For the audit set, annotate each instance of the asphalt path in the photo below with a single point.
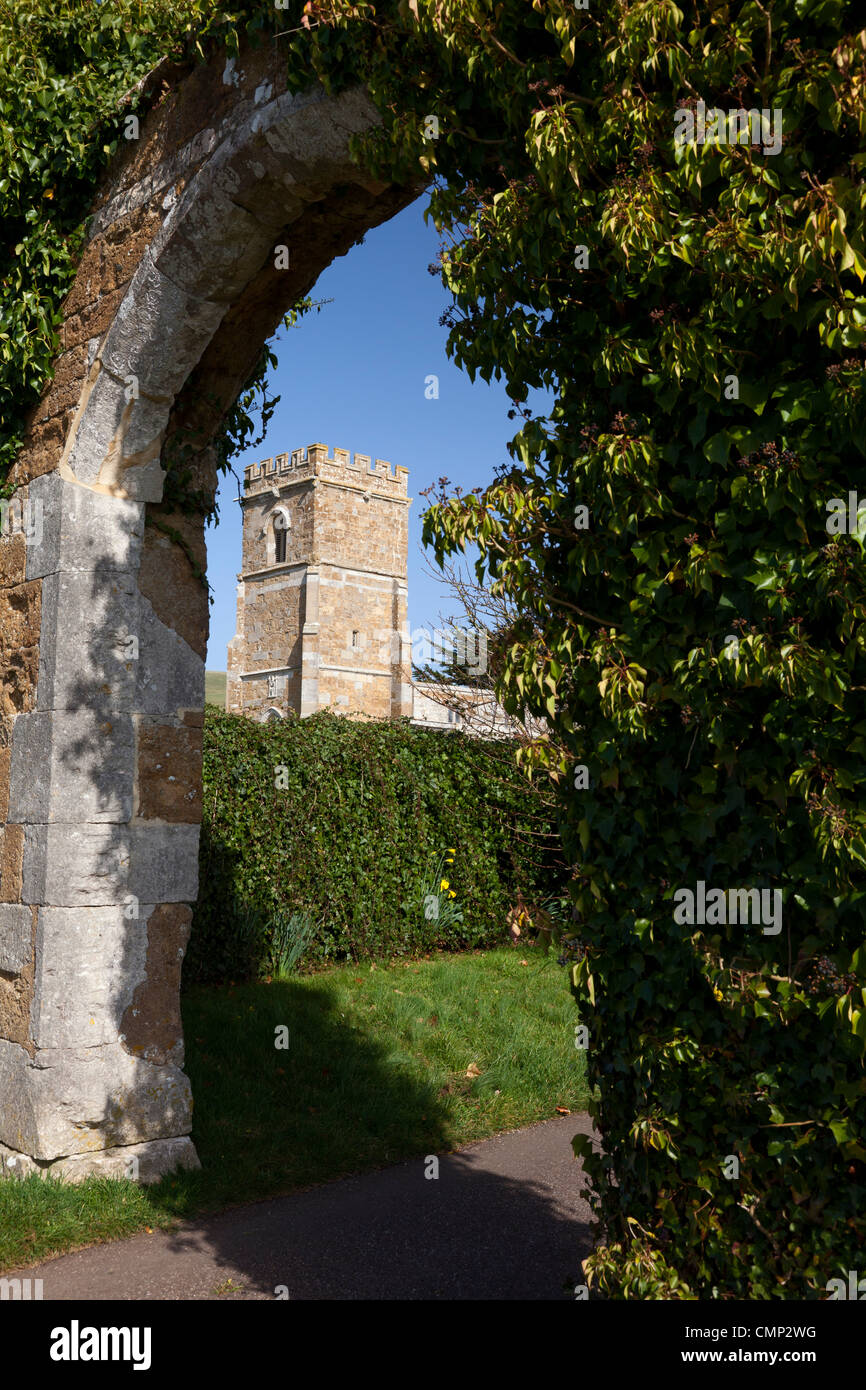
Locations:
(504, 1219)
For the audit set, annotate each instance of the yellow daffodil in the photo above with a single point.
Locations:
(452, 894)
(718, 994)
(444, 884)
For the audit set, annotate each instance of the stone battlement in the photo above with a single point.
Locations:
(313, 462)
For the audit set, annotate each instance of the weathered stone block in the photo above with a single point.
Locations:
(169, 772)
(77, 865)
(151, 1025)
(43, 447)
(118, 439)
(141, 1163)
(11, 863)
(13, 560)
(89, 962)
(82, 1100)
(83, 530)
(86, 765)
(64, 389)
(101, 865)
(5, 764)
(166, 578)
(86, 659)
(20, 616)
(16, 995)
(17, 1120)
(154, 311)
(93, 320)
(126, 245)
(88, 280)
(164, 862)
(210, 245)
(310, 133)
(18, 680)
(170, 674)
(16, 922)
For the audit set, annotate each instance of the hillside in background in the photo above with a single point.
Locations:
(215, 688)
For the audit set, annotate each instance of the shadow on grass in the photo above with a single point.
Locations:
(271, 1118)
(337, 1101)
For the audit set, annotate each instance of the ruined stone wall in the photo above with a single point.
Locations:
(103, 618)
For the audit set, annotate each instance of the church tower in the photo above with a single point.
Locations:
(322, 615)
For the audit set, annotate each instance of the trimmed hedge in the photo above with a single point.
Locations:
(363, 812)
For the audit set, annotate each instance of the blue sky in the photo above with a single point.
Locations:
(353, 376)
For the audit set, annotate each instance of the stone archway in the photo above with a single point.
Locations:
(103, 619)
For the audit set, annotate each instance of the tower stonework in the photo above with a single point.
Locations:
(322, 613)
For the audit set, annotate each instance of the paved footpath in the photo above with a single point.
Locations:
(502, 1221)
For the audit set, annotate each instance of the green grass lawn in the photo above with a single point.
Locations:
(375, 1071)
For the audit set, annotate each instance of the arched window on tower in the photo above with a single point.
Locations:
(281, 532)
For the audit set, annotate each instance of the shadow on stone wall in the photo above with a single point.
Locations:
(97, 1060)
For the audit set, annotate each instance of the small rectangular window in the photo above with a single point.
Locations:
(355, 638)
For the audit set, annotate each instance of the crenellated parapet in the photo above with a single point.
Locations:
(342, 469)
